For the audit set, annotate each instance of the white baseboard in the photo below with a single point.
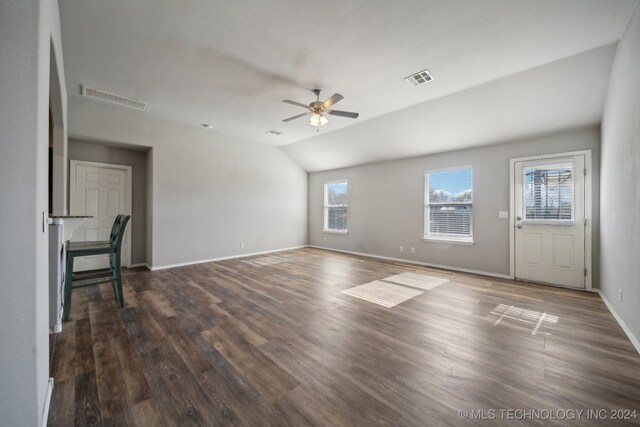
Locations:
(623, 325)
(47, 403)
(140, 264)
(184, 264)
(426, 264)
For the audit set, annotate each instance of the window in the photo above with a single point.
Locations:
(448, 203)
(548, 193)
(335, 207)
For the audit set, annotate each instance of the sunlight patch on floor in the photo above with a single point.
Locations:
(382, 293)
(415, 280)
(265, 260)
(537, 320)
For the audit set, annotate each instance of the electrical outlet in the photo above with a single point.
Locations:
(242, 244)
(619, 295)
(503, 214)
(401, 248)
(413, 250)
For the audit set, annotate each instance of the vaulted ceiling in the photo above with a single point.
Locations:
(502, 68)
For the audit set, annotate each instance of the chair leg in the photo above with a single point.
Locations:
(68, 281)
(112, 267)
(119, 279)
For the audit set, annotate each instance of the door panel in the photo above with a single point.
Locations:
(532, 248)
(563, 251)
(101, 192)
(550, 221)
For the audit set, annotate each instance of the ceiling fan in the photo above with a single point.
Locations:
(317, 110)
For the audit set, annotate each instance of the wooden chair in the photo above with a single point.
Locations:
(111, 247)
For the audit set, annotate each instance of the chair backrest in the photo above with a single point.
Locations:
(114, 229)
(120, 231)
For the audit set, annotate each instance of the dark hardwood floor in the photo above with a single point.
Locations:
(253, 344)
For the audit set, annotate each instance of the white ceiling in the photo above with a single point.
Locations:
(567, 93)
(230, 63)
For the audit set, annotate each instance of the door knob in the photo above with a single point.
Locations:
(518, 218)
(519, 225)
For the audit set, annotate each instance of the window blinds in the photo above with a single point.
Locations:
(548, 192)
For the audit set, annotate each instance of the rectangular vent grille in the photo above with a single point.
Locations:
(112, 98)
(273, 132)
(419, 78)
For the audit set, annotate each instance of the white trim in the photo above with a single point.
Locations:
(184, 264)
(329, 231)
(632, 338)
(452, 241)
(588, 210)
(47, 403)
(426, 264)
(72, 195)
(140, 264)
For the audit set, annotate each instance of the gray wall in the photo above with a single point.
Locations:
(210, 192)
(137, 159)
(620, 200)
(386, 203)
(27, 30)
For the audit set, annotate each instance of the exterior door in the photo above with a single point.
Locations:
(101, 191)
(550, 220)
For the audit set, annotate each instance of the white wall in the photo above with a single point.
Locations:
(27, 30)
(620, 199)
(386, 203)
(209, 191)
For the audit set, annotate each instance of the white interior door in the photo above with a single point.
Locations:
(101, 191)
(550, 220)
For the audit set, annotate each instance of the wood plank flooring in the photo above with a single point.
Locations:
(260, 343)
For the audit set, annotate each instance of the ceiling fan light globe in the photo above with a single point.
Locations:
(318, 120)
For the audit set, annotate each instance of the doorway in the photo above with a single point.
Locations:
(101, 191)
(551, 228)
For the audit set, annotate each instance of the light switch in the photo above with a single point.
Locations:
(503, 215)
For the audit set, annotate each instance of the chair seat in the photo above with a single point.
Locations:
(90, 246)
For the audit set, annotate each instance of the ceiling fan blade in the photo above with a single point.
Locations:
(296, 117)
(348, 114)
(299, 104)
(336, 97)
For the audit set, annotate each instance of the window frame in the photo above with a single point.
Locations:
(444, 238)
(326, 206)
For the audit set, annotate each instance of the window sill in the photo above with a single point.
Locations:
(451, 241)
(335, 231)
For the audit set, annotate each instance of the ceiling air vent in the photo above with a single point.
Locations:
(419, 78)
(273, 132)
(112, 98)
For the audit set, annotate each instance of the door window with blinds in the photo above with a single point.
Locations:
(335, 207)
(448, 205)
(548, 193)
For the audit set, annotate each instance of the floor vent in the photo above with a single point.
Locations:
(415, 280)
(112, 98)
(382, 293)
(419, 78)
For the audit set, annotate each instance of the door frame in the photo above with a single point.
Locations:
(588, 211)
(73, 164)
